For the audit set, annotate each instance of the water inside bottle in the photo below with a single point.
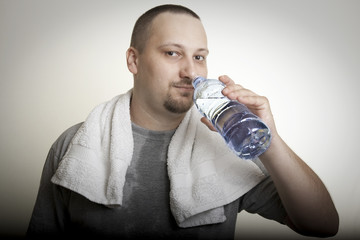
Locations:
(248, 137)
(243, 131)
(211, 105)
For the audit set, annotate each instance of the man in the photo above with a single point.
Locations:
(165, 182)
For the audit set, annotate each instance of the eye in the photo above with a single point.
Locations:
(172, 53)
(199, 58)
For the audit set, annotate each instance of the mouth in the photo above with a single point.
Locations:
(184, 87)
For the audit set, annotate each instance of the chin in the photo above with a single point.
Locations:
(178, 107)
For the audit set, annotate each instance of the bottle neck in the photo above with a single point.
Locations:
(197, 81)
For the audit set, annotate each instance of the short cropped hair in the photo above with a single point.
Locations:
(141, 29)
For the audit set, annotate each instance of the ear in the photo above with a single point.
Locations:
(132, 59)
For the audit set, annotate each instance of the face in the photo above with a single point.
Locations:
(174, 55)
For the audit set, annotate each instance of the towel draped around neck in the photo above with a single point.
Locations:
(204, 174)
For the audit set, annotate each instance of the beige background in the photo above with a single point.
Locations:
(59, 59)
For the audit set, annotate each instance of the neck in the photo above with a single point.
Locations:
(145, 118)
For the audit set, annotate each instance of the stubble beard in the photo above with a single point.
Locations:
(179, 106)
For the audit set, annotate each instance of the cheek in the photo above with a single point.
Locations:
(155, 80)
(152, 69)
(202, 70)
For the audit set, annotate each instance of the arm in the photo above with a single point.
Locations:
(308, 204)
(304, 196)
(49, 214)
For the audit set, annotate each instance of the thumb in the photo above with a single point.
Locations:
(205, 121)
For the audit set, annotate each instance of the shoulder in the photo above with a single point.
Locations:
(56, 152)
(61, 144)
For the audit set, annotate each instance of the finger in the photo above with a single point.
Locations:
(246, 96)
(254, 102)
(226, 80)
(205, 121)
(236, 91)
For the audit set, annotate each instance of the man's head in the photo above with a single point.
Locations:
(142, 26)
(168, 50)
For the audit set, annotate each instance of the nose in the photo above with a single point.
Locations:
(188, 69)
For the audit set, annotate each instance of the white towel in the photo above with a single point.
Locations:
(204, 174)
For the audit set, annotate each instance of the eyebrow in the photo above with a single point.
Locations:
(182, 47)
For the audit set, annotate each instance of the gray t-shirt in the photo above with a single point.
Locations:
(145, 213)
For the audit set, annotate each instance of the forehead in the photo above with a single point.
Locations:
(178, 28)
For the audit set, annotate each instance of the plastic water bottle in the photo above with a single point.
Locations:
(245, 133)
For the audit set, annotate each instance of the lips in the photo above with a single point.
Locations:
(188, 87)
